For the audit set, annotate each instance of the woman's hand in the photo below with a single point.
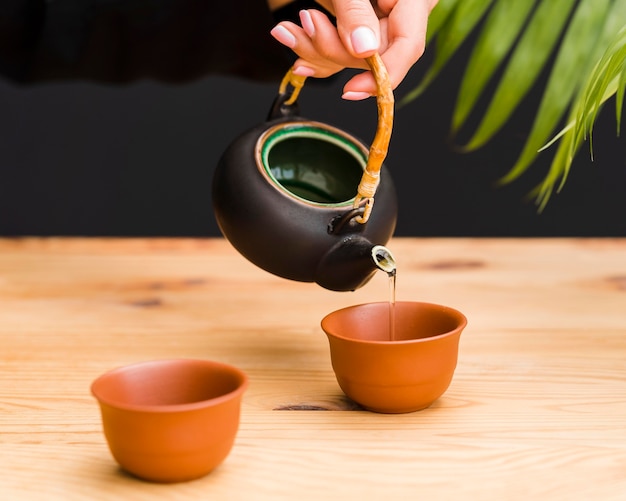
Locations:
(396, 29)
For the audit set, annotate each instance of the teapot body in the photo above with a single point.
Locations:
(283, 196)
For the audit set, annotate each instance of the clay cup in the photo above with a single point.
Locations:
(403, 372)
(170, 420)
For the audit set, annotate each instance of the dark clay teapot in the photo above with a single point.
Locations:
(295, 197)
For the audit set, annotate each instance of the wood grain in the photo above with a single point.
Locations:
(537, 408)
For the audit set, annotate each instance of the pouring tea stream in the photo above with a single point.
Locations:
(284, 193)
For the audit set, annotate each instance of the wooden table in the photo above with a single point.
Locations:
(537, 408)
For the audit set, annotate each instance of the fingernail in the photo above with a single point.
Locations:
(355, 96)
(307, 23)
(303, 71)
(283, 35)
(363, 40)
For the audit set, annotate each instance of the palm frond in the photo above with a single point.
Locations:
(606, 80)
(453, 23)
(439, 16)
(565, 78)
(522, 37)
(501, 29)
(533, 50)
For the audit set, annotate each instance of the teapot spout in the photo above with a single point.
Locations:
(383, 259)
(351, 263)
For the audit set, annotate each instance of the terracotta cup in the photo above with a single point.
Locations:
(403, 371)
(170, 420)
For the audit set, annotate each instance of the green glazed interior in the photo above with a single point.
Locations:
(314, 164)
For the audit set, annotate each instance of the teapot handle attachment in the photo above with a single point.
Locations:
(285, 103)
(380, 144)
(296, 82)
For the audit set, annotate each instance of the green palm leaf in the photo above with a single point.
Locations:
(439, 16)
(589, 67)
(607, 79)
(582, 34)
(453, 26)
(502, 27)
(619, 100)
(524, 67)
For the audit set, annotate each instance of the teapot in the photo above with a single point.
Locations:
(295, 197)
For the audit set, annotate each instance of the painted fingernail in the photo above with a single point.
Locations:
(303, 71)
(355, 96)
(307, 23)
(363, 40)
(283, 35)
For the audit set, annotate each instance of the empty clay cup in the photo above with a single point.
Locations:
(170, 420)
(403, 371)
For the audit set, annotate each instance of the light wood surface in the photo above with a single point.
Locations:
(537, 408)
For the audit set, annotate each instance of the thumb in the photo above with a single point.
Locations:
(358, 26)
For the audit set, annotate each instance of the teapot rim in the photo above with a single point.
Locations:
(312, 129)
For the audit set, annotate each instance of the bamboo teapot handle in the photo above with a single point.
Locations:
(380, 144)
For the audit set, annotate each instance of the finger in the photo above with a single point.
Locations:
(406, 34)
(360, 87)
(384, 7)
(325, 39)
(405, 31)
(358, 27)
(310, 63)
(283, 32)
(328, 5)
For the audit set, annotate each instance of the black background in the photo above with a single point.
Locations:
(137, 160)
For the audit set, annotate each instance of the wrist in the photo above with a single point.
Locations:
(277, 4)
